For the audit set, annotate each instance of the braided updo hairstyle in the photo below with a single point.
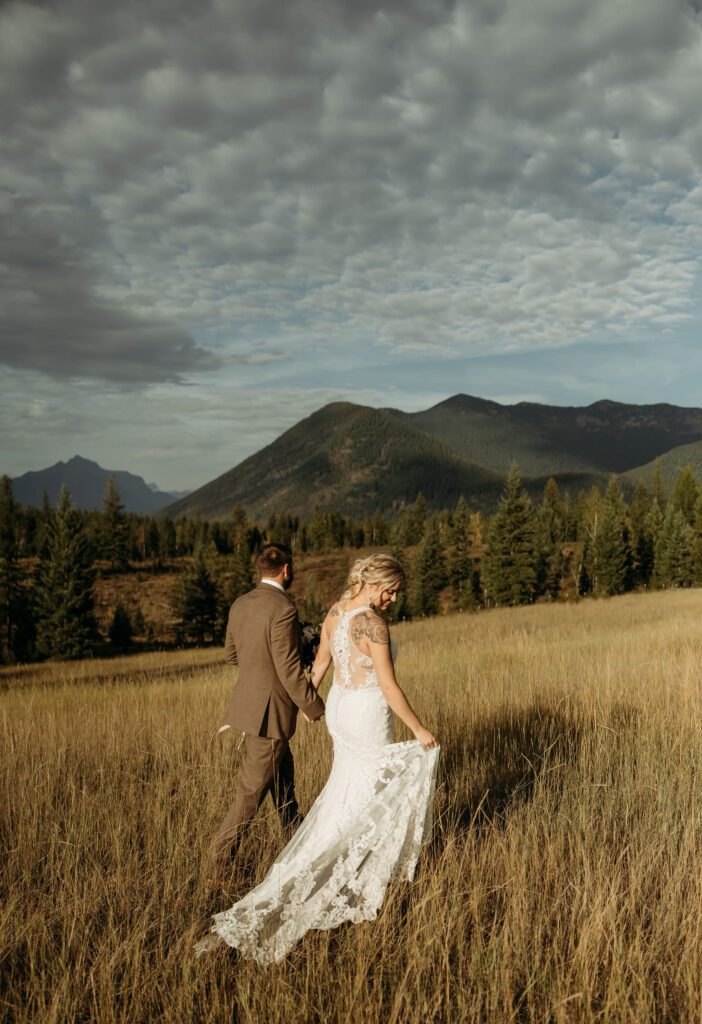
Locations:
(379, 570)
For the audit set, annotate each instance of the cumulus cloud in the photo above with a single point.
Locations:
(54, 318)
(191, 186)
(432, 174)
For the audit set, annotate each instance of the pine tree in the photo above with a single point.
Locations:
(640, 545)
(698, 542)
(114, 526)
(197, 531)
(674, 557)
(429, 574)
(399, 611)
(241, 578)
(510, 561)
(461, 566)
(569, 519)
(553, 511)
(197, 600)
(657, 487)
(375, 530)
(152, 540)
(400, 534)
(180, 541)
(379, 528)
(583, 583)
(335, 527)
(214, 563)
(653, 524)
(121, 629)
(590, 510)
(9, 571)
(44, 520)
(316, 531)
(550, 536)
(418, 518)
(16, 624)
(166, 538)
(684, 494)
(282, 531)
(611, 545)
(64, 588)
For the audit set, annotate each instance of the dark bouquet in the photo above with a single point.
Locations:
(309, 644)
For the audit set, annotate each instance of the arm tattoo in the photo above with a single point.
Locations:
(372, 626)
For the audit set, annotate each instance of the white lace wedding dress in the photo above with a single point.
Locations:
(366, 826)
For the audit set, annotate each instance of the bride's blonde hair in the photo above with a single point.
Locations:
(379, 570)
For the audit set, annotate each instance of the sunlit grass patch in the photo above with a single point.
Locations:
(562, 882)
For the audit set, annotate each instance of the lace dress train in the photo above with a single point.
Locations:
(365, 828)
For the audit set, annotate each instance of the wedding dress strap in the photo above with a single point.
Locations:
(363, 608)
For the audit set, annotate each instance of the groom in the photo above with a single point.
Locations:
(263, 640)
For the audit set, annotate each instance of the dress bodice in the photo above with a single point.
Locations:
(353, 670)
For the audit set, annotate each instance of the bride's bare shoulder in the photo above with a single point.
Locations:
(369, 625)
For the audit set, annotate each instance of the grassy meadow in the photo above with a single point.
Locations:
(563, 881)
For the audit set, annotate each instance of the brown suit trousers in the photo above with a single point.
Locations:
(263, 639)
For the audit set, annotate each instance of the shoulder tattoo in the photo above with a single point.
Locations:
(371, 626)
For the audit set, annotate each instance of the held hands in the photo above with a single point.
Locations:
(425, 738)
(311, 721)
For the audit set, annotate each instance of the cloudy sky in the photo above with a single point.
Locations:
(218, 215)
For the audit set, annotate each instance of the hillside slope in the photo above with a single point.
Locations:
(607, 437)
(354, 459)
(345, 457)
(671, 463)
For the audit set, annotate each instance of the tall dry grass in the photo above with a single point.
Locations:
(563, 882)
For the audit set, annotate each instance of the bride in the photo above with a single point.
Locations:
(369, 821)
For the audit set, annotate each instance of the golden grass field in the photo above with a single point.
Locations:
(563, 882)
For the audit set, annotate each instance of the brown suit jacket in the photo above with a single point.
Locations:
(263, 636)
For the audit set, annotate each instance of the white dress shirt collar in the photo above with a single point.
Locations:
(273, 583)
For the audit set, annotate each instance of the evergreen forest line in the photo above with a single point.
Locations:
(457, 559)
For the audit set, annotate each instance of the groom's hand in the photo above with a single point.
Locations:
(311, 721)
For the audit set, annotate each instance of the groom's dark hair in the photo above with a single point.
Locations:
(273, 558)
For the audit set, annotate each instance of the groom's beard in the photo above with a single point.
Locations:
(287, 583)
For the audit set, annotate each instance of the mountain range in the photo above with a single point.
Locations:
(608, 437)
(86, 481)
(355, 458)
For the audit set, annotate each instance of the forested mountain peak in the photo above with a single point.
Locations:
(344, 456)
(354, 458)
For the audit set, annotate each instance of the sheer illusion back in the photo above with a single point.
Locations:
(365, 827)
(353, 670)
